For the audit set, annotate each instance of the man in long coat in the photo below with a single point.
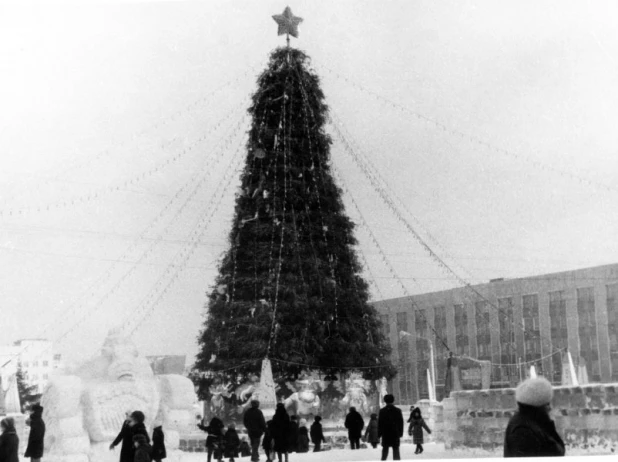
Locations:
(256, 427)
(354, 423)
(37, 434)
(390, 427)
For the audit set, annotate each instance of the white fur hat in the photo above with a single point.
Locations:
(535, 392)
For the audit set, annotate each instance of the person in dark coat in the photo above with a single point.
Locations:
(267, 442)
(293, 434)
(390, 427)
(9, 441)
(354, 423)
(214, 440)
(34, 450)
(415, 429)
(255, 424)
(531, 432)
(158, 443)
(244, 448)
(303, 437)
(281, 431)
(231, 443)
(142, 448)
(126, 437)
(371, 434)
(317, 435)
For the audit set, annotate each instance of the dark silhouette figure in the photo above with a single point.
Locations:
(390, 427)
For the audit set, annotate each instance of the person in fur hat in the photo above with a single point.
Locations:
(531, 432)
(415, 430)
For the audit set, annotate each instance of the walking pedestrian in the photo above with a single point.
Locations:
(354, 423)
(125, 436)
(255, 424)
(34, 450)
(281, 432)
(158, 442)
(303, 437)
(531, 432)
(231, 442)
(371, 434)
(267, 442)
(9, 441)
(317, 435)
(293, 434)
(214, 440)
(143, 450)
(244, 448)
(390, 427)
(415, 430)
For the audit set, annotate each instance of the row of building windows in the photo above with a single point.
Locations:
(35, 364)
(530, 323)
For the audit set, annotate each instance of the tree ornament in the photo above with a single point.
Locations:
(265, 194)
(222, 289)
(259, 153)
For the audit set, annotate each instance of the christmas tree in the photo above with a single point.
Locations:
(290, 286)
(28, 394)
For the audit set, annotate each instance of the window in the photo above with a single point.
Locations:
(386, 327)
(35, 364)
(508, 355)
(589, 351)
(558, 331)
(441, 350)
(34, 377)
(45, 376)
(422, 352)
(612, 326)
(461, 330)
(57, 357)
(532, 337)
(405, 365)
(45, 363)
(26, 364)
(483, 336)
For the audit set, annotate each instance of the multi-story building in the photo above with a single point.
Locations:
(36, 358)
(512, 323)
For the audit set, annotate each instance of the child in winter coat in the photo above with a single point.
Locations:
(231, 442)
(415, 430)
(317, 436)
(9, 441)
(267, 442)
(215, 438)
(244, 448)
(158, 443)
(371, 434)
(303, 437)
(142, 448)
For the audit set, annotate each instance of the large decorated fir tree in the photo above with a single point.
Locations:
(290, 286)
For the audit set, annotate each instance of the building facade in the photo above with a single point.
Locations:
(512, 323)
(37, 360)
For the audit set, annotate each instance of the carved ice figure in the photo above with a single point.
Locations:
(219, 391)
(305, 399)
(84, 411)
(356, 393)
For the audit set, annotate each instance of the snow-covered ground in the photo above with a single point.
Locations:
(432, 451)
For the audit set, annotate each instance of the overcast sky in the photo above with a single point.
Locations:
(97, 97)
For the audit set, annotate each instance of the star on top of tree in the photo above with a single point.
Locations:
(288, 23)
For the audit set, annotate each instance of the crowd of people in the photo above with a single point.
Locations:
(285, 434)
(530, 433)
